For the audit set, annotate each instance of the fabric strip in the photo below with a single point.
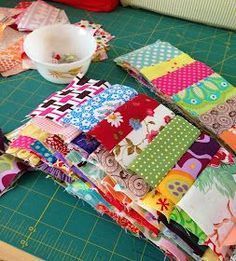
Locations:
(161, 69)
(90, 113)
(139, 138)
(170, 145)
(122, 121)
(205, 95)
(178, 80)
(178, 181)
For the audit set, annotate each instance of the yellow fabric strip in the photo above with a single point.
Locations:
(160, 69)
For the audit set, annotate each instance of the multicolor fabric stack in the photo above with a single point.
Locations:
(193, 86)
(132, 158)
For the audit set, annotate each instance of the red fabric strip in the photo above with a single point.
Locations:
(110, 131)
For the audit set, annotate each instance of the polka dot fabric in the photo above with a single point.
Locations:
(150, 55)
(23, 142)
(40, 149)
(176, 81)
(165, 150)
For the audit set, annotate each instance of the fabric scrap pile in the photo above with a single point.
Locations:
(191, 85)
(11, 169)
(16, 22)
(133, 159)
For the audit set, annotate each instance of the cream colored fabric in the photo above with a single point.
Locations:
(220, 13)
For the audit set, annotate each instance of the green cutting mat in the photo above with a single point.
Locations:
(38, 215)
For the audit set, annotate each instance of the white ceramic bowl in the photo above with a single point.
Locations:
(63, 39)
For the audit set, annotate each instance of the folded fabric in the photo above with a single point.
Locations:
(120, 220)
(178, 181)
(215, 184)
(220, 118)
(149, 55)
(87, 144)
(229, 137)
(43, 152)
(24, 155)
(91, 112)
(170, 144)
(10, 170)
(155, 201)
(180, 243)
(68, 132)
(31, 130)
(138, 139)
(60, 103)
(186, 236)
(123, 120)
(11, 56)
(204, 95)
(58, 174)
(180, 217)
(38, 14)
(127, 181)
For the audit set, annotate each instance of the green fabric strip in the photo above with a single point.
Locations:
(205, 95)
(165, 150)
(183, 219)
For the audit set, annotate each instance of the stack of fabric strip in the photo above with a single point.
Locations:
(133, 159)
(193, 86)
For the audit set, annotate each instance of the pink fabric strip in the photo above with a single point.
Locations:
(68, 133)
(176, 81)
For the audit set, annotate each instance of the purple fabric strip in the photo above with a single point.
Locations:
(197, 157)
(87, 144)
(58, 174)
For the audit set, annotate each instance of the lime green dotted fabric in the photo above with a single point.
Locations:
(165, 150)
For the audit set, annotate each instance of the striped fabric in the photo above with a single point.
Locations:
(213, 12)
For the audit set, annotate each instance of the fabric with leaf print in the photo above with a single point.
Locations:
(91, 112)
(138, 139)
(211, 202)
(128, 182)
(123, 120)
(180, 217)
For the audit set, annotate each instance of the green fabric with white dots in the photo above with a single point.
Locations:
(165, 150)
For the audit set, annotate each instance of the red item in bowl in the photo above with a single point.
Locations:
(92, 5)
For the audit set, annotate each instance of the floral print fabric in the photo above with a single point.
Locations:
(90, 113)
(122, 121)
(215, 184)
(139, 138)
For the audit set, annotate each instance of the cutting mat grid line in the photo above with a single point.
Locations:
(42, 218)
